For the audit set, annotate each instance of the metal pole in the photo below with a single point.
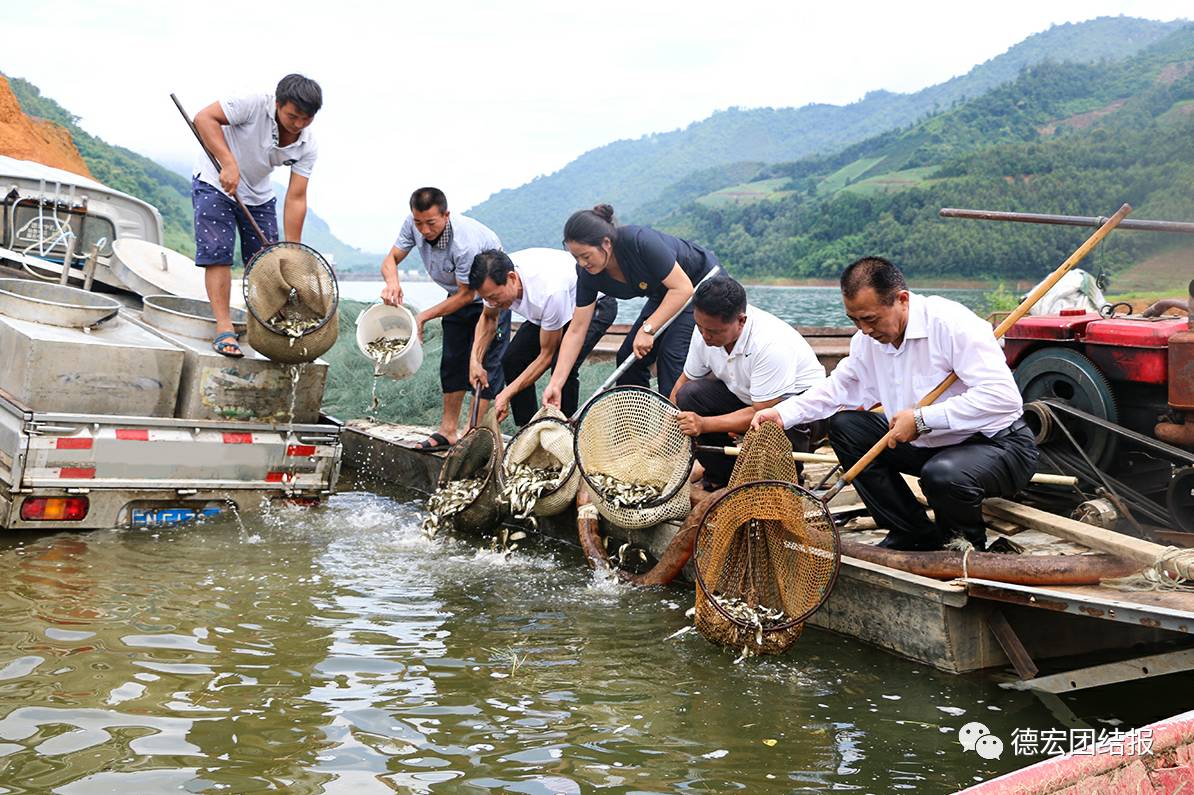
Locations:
(1138, 224)
(71, 241)
(265, 241)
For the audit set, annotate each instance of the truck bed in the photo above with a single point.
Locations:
(146, 471)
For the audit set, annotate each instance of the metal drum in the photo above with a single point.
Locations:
(186, 316)
(54, 304)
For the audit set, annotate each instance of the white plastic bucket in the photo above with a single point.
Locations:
(391, 322)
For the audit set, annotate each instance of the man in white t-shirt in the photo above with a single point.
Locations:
(542, 289)
(740, 360)
(250, 137)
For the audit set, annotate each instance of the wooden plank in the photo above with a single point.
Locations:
(947, 593)
(1109, 673)
(1136, 549)
(1009, 641)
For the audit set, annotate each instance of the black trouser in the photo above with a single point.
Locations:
(459, 329)
(955, 479)
(524, 349)
(667, 354)
(709, 397)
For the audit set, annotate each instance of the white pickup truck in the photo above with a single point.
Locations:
(127, 417)
(101, 471)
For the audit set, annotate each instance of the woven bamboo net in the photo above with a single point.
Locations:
(630, 435)
(546, 443)
(292, 298)
(475, 456)
(767, 548)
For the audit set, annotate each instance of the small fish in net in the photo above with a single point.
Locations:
(383, 349)
(293, 324)
(449, 500)
(624, 493)
(523, 486)
(760, 617)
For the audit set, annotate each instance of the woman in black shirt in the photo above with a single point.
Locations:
(627, 262)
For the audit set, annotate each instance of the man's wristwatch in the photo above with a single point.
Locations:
(648, 329)
(921, 426)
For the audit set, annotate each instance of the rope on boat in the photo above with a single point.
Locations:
(1172, 571)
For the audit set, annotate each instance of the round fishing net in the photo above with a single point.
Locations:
(767, 552)
(544, 444)
(474, 458)
(292, 297)
(633, 457)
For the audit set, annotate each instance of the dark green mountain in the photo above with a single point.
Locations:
(163, 187)
(633, 173)
(1062, 138)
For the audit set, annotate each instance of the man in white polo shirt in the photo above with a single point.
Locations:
(542, 289)
(250, 137)
(447, 244)
(740, 360)
(971, 444)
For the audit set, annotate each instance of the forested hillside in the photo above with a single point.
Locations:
(633, 173)
(121, 168)
(1062, 138)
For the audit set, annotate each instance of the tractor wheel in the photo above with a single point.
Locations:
(1065, 375)
(1180, 499)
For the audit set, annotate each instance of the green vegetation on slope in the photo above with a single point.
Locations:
(632, 174)
(121, 168)
(1034, 145)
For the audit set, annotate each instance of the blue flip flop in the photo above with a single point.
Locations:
(227, 344)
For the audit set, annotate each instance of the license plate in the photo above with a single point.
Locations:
(167, 517)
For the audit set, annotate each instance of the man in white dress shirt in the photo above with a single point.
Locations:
(740, 360)
(971, 444)
(543, 292)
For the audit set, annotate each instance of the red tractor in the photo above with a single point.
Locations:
(1111, 399)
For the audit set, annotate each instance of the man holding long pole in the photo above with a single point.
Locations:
(970, 445)
(248, 137)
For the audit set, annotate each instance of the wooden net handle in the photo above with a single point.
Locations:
(1000, 330)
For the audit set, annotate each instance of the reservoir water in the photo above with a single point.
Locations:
(805, 306)
(337, 650)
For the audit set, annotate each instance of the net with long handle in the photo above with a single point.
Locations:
(471, 474)
(292, 297)
(633, 457)
(767, 552)
(543, 444)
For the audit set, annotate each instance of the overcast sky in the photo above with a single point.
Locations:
(478, 96)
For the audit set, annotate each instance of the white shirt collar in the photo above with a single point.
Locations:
(743, 342)
(273, 128)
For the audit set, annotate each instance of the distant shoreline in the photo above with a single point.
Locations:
(949, 284)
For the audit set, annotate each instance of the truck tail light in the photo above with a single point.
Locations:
(54, 509)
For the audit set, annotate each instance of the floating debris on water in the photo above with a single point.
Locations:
(623, 493)
(449, 500)
(383, 349)
(524, 485)
(682, 631)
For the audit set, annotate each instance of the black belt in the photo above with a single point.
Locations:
(1015, 427)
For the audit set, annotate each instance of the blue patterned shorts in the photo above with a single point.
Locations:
(217, 219)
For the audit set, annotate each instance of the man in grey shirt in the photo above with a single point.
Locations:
(250, 137)
(448, 243)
